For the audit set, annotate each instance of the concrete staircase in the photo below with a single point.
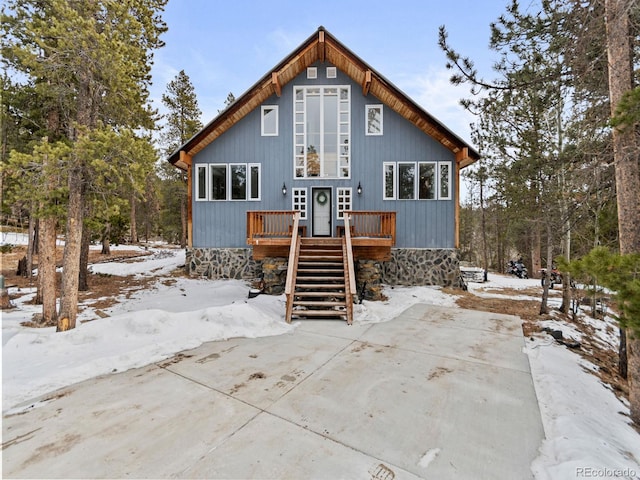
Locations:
(321, 281)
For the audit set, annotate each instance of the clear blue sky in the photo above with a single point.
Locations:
(227, 45)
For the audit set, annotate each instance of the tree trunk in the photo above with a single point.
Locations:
(485, 246)
(536, 261)
(625, 154)
(106, 246)
(134, 227)
(47, 270)
(71, 260)
(31, 247)
(83, 279)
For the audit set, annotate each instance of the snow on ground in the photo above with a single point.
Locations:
(587, 427)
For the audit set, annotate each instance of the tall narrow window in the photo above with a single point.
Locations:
(238, 181)
(374, 119)
(445, 180)
(218, 174)
(427, 181)
(344, 200)
(321, 132)
(406, 181)
(389, 181)
(201, 182)
(299, 197)
(269, 124)
(254, 181)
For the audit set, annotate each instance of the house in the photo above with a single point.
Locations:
(325, 135)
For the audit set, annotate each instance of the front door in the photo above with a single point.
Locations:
(321, 208)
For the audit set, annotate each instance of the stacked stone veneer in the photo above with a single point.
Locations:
(408, 266)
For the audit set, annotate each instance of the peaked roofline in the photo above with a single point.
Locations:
(324, 47)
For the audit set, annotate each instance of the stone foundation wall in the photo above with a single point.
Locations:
(422, 266)
(214, 263)
(408, 266)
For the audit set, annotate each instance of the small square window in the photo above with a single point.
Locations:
(344, 201)
(299, 197)
(312, 73)
(332, 72)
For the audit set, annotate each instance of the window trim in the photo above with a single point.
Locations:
(298, 193)
(393, 180)
(200, 198)
(439, 166)
(263, 131)
(332, 72)
(226, 182)
(312, 73)
(343, 134)
(413, 164)
(366, 120)
(250, 166)
(439, 175)
(435, 164)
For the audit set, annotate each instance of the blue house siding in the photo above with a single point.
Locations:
(419, 223)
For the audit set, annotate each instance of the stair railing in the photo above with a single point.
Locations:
(292, 266)
(350, 280)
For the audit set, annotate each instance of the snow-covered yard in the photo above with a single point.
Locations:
(587, 427)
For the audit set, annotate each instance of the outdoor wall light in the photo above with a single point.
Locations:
(284, 189)
(359, 189)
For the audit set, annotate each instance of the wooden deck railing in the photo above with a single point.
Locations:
(373, 224)
(269, 224)
(292, 266)
(350, 280)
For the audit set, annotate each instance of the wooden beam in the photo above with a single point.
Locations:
(188, 160)
(456, 204)
(321, 46)
(366, 85)
(462, 155)
(276, 83)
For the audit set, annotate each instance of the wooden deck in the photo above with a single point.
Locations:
(373, 234)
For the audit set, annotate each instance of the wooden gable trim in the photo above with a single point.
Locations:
(276, 84)
(367, 83)
(187, 160)
(324, 47)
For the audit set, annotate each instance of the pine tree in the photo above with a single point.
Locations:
(182, 122)
(89, 61)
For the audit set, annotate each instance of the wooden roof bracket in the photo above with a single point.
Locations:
(321, 46)
(366, 85)
(276, 83)
(462, 155)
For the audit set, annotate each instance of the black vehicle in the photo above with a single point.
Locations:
(517, 268)
(554, 277)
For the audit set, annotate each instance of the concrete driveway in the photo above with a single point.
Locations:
(436, 393)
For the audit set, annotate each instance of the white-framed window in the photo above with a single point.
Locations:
(233, 181)
(201, 183)
(322, 131)
(444, 180)
(299, 199)
(255, 189)
(417, 181)
(427, 181)
(373, 117)
(269, 120)
(332, 72)
(406, 181)
(344, 200)
(389, 179)
(218, 181)
(312, 73)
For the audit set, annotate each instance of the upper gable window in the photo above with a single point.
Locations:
(269, 121)
(332, 72)
(312, 73)
(322, 131)
(374, 119)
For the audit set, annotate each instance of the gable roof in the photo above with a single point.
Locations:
(324, 47)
